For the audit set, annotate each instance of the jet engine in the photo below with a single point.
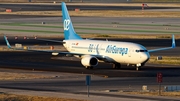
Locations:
(89, 61)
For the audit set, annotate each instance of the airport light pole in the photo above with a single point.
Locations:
(88, 81)
(159, 80)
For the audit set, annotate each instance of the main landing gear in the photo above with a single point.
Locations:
(138, 68)
(116, 65)
(89, 67)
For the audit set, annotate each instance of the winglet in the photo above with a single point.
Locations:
(173, 42)
(7, 42)
(159, 49)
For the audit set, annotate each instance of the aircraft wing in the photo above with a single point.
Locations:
(28, 49)
(166, 48)
(55, 52)
(50, 40)
(33, 50)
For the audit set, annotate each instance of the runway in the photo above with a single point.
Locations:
(63, 87)
(55, 7)
(69, 85)
(45, 62)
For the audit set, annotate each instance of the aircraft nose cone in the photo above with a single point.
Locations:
(145, 57)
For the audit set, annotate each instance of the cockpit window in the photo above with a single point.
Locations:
(141, 50)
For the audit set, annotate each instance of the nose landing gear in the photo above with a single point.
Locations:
(89, 67)
(138, 67)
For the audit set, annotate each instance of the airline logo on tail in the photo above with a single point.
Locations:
(66, 24)
(69, 32)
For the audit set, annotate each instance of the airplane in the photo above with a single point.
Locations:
(91, 52)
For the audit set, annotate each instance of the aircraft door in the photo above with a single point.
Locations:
(68, 46)
(130, 52)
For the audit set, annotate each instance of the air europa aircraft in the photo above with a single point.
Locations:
(92, 52)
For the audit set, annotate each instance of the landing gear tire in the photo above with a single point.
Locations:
(89, 67)
(116, 65)
(138, 68)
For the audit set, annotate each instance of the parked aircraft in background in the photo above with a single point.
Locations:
(92, 52)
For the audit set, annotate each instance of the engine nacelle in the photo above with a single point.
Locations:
(89, 61)
(55, 54)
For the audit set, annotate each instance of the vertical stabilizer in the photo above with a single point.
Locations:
(7, 42)
(173, 42)
(69, 32)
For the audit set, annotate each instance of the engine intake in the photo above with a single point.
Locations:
(89, 61)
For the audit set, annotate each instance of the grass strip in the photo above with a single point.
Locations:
(103, 13)
(166, 60)
(13, 97)
(37, 31)
(30, 25)
(104, 29)
(155, 93)
(160, 25)
(113, 23)
(155, 1)
(107, 29)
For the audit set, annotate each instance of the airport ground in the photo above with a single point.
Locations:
(91, 1)
(44, 75)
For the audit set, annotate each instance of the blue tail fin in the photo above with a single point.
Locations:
(7, 42)
(69, 32)
(173, 42)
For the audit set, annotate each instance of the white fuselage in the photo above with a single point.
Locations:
(112, 51)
